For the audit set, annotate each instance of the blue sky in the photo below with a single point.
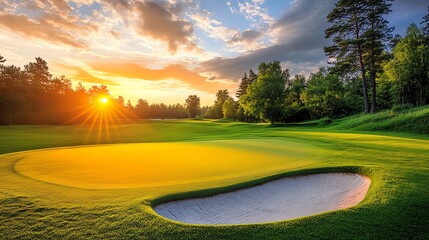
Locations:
(164, 50)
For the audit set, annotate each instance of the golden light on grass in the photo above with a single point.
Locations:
(162, 164)
(101, 115)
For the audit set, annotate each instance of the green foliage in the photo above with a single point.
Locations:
(349, 22)
(193, 106)
(216, 111)
(295, 89)
(265, 97)
(376, 38)
(324, 95)
(409, 69)
(360, 33)
(230, 108)
(385, 93)
(242, 88)
(425, 26)
(400, 108)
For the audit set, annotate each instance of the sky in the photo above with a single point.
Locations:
(165, 50)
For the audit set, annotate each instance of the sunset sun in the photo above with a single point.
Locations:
(104, 100)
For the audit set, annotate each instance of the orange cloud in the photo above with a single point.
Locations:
(79, 74)
(174, 71)
(22, 25)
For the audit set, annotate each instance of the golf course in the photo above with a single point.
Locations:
(60, 182)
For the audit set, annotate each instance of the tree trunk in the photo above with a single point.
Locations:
(373, 77)
(374, 88)
(10, 118)
(364, 87)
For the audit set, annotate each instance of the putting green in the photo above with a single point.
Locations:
(161, 164)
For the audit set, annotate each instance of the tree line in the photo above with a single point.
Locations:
(369, 70)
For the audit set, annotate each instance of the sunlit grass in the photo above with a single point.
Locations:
(395, 206)
(160, 164)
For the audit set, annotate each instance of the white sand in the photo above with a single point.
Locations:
(278, 200)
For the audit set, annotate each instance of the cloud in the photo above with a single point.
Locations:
(115, 34)
(79, 74)
(212, 27)
(52, 21)
(61, 5)
(300, 40)
(173, 71)
(158, 22)
(247, 36)
(254, 11)
(22, 25)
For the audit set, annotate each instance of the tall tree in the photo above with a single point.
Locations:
(265, 97)
(348, 25)
(142, 108)
(13, 92)
(376, 39)
(193, 106)
(229, 108)
(38, 73)
(425, 27)
(252, 76)
(243, 86)
(221, 96)
(129, 106)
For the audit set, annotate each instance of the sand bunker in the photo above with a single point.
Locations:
(283, 199)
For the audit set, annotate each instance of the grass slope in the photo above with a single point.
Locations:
(413, 120)
(395, 207)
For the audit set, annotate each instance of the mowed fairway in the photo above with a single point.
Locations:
(67, 188)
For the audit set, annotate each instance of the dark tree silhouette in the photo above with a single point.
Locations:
(252, 77)
(425, 27)
(38, 74)
(243, 86)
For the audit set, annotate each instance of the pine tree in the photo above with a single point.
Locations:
(348, 24)
(376, 39)
(243, 86)
(38, 73)
(252, 77)
(425, 27)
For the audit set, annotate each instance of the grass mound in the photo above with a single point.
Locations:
(412, 120)
(415, 120)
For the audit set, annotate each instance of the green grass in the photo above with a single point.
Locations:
(413, 120)
(395, 207)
